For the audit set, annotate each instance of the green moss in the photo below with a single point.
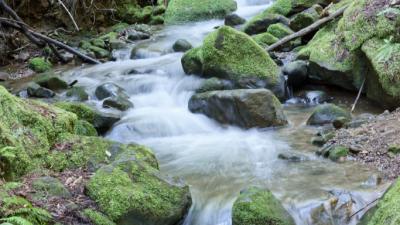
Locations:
(39, 64)
(97, 218)
(327, 113)
(99, 52)
(46, 187)
(83, 127)
(181, 11)
(231, 54)
(279, 30)
(50, 81)
(259, 207)
(132, 13)
(265, 39)
(130, 189)
(387, 210)
(338, 152)
(384, 78)
(83, 111)
(155, 20)
(302, 20)
(360, 22)
(14, 206)
(79, 93)
(98, 42)
(192, 61)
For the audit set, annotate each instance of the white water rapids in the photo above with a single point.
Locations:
(216, 161)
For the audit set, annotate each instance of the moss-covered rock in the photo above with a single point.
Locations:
(260, 23)
(383, 78)
(51, 81)
(39, 64)
(230, 54)
(386, 211)
(47, 187)
(77, 93)
(265, 39)
(98, 52)
(279, 30)
(97, 218)
(214, 84)
(327, 113)
(130, 191)
(256, 206)
(338, 152)
(247, 107)
(180, 11)
(303, 19)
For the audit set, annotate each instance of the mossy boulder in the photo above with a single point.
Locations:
(265, 39)
(101, 121)
(35, 90)
(130, 191)
(47, 187)
(39, 64)
(51, 81)
(214, 84)
(97, 51)
(327, 113)
(338, 152)
(247, 107)
(260, 24)
(280, 7)
(231, 54)
(303, 19)
(386, 211)
(383, 78)
(181, 11)
(279, 30)
(29, 129)
(256, 206)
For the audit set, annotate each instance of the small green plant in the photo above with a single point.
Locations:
(385, 51)
(19, 211)
(14, 220)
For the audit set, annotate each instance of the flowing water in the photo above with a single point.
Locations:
(218, 161)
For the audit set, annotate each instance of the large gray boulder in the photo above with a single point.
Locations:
(243, 107)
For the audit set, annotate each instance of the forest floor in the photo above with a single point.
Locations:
(375, 143)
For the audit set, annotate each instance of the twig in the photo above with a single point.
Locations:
(358, 96)
(364, 207)
(69, 14)
(308, 29)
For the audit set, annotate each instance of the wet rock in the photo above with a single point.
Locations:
(117, 102)
(215, 84)
(340, 122)
(110, 90)
(258, 206)
(182, 45)
(177, 11)
(318, 141)
(35, 90)
(316, 97)
(291, 157)
(296, 73)
(51, 82)
(47, 187)
(78, 93)
(221, 56)
(4, 76)
(243, 107)
(68, 57)
(327, 113)
(117, 44)
(135, 35)
(234, 20)
(260, 24)
(336, 153)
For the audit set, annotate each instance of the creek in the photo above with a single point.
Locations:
(218, 161)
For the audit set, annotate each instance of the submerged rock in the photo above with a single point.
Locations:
(78, 93)
(233, 20)
(35, 90)
(119, 103)
(230, 54)
(244, 107)
(327, 113)
(182, 45)
(181, 11)
(109, 89)
(257, 206)
(296, 73)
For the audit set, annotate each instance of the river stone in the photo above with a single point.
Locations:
(261, 24)
(256, 206)
(231, 54)
(109, 90)
(182, 11)
(130, 191)
(242, 107)
(51, 82)
(182, 45)
(119, 103)
(215, 84)
(233, 20)
(296, 73)
(35, 90)
(135, 35)
(327, 113)
(315, 97)
(304, 19)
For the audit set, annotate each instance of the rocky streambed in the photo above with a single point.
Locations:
(195, 123)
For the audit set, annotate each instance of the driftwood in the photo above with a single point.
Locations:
(38, 38)
(358, 96)
(69, 14)
(308, 29)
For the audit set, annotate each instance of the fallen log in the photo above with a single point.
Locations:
(317, 24)
(50, 41)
